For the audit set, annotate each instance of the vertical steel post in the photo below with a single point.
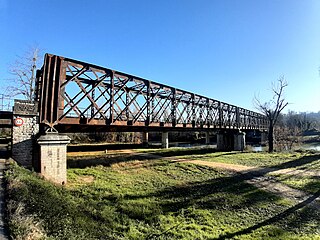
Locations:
(237, 117)
(193, 111)
(62, 89)
(111, 99)
(208, 119)
(149, 110)
(127, 105)
(220, 114)
(152, 109)
(173, 107)
(93, 97)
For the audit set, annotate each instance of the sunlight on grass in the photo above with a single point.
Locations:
(308, 184)
(254, 159)
(154, 199)
(248, 159)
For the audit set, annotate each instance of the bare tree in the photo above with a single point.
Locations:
(23, 72)
(286, 138)
(273, 108)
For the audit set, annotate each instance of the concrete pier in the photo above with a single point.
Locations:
(233, 140)
(165, 140)
(224, 141)
(239, 141)
(207, 138)
(145, 139)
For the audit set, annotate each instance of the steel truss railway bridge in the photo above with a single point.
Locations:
(78, 96)
(75, 96)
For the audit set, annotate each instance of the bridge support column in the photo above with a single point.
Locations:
(224, 141)
(231, 141)
(53, 157)
(165, 140)
(239, 141)
(207, 138)
(145, 139)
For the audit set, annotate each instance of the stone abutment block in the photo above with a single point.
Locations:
(24, 132)
(53, 157)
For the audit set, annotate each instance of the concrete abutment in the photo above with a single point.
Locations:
(47, 153)
(24, 133)
(53, 156)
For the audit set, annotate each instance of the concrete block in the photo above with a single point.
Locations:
(53, 157)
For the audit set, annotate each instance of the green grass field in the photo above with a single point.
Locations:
(159, 199)
(255, 159)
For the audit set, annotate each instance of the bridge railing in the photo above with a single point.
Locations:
(74, 92)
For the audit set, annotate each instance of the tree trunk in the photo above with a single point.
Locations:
(270, 138)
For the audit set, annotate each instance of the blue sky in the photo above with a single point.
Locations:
(228, 50)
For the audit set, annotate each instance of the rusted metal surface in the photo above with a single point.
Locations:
(77, 95)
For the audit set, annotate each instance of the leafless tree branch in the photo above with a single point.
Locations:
(273, 108)
(23, 70)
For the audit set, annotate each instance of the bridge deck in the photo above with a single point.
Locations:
(78, 96)
(73, 125)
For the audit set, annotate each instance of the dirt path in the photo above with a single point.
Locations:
(226, 166)
(262, 178)
(242, 168)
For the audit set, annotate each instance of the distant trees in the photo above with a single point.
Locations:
(304, 121)
(291, 128)
(23, 72)
(106, 137)
(273, 108)
(287, 135)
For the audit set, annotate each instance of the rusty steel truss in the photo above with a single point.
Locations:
(78, 96)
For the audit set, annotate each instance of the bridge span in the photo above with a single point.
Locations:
(74, 96)
(78, 96)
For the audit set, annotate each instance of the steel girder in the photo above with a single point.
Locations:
(71, 92)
